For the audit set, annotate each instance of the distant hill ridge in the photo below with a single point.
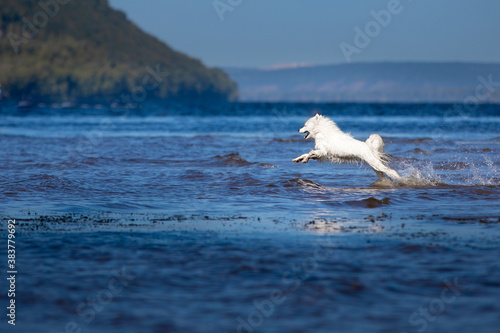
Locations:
(372, 82)
(77, 50)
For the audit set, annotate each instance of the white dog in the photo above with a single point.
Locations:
(338, 147)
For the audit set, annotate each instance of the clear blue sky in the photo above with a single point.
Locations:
(263, 33)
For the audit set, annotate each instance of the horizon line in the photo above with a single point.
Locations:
(298, 65)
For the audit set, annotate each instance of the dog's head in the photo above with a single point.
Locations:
(311, 126)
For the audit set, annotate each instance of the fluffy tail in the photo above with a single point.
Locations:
(376, 144)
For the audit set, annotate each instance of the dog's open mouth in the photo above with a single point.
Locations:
(307, 135)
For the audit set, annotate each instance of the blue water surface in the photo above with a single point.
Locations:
(192, 218)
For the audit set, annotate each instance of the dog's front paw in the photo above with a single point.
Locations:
(302, 158)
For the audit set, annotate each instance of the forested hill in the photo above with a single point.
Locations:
(78, 50)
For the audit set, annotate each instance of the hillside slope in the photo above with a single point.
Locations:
(74, 50)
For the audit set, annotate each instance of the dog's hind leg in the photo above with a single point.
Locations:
(381, 169)
(393, 174)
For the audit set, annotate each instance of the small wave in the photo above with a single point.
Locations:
(288, 140)
(193, 175)
(477, 150)
(150, 161)
(406, 140)
(370, 202)
(419, 140)
(473, 219)
(443, 150)
(205, 137)
(97, 160)
(44, 182)
(421, 152)
(268, 165)
(404, 160)
(235, 160)
(303, 183)
(452, 166)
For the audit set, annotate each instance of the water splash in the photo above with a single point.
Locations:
(482, 172)
(422, 174)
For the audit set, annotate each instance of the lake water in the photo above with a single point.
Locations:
(190, 218)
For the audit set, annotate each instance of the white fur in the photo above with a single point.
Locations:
(338, 147)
